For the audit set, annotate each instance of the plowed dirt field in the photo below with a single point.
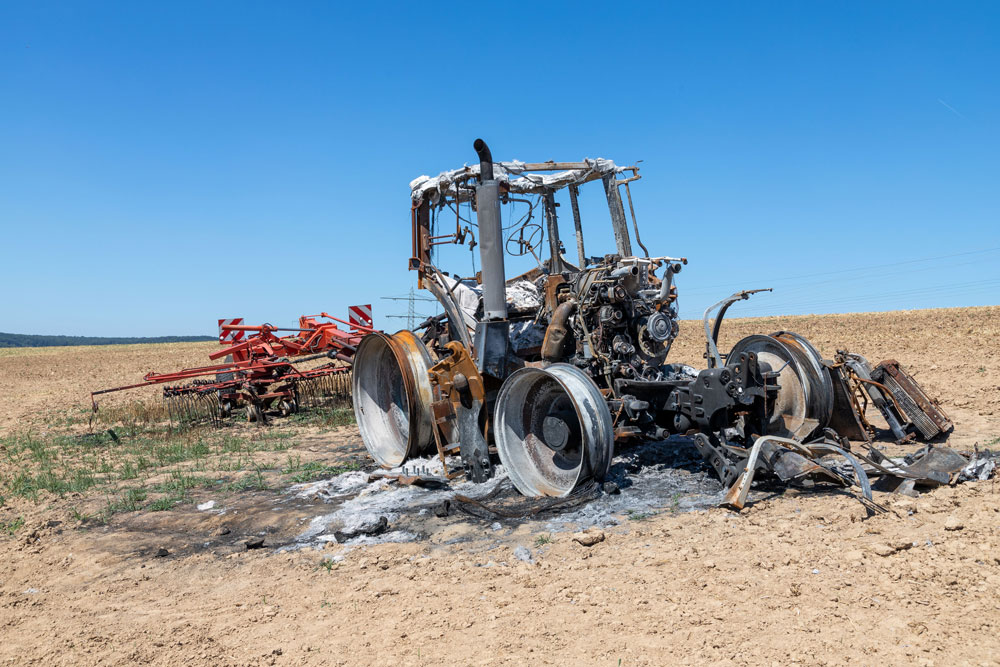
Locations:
(109, 559)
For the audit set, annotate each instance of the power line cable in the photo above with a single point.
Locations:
(860, 270)
(780, 306)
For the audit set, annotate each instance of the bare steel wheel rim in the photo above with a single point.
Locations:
(391, 394)
(553, 430)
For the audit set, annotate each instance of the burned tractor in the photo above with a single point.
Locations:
(548, 370)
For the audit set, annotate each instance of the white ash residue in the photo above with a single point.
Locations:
(361, 503)
(654, 477)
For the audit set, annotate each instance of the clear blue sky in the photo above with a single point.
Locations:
(165, 164)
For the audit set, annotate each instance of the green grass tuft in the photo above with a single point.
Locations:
(130, 501)
(314, 470)
(163, 504)
(338, 414)
(11, 527)
(122, 459)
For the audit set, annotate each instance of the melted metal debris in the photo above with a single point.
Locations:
(512, 173)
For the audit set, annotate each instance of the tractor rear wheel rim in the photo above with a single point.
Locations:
(553, 430)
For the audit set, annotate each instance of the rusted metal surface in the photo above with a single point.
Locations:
(791, 412)
(819, 382)
(557, 331)
(905, 406)
(555, 287)
(622, 241)
(457, 380)
(922, 411)
(611, 318)
(574, 193)
(456, 375)
(392, 397)
(847, 418)
(592, 347)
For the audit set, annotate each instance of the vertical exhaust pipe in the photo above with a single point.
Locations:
(490, 237)
(485, 160)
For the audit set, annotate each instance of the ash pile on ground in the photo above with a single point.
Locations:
(653, 477)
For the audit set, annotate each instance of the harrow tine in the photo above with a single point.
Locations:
(216, 410)
(204, 408)
(211, 401)
(309, 392)
(302, 392)
(197, 408)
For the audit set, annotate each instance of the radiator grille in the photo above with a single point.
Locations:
(913, 412)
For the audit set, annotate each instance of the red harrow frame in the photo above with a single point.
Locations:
(259, 372)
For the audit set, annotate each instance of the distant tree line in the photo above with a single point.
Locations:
(29, 340)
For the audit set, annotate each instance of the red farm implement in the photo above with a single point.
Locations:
(261, 371)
